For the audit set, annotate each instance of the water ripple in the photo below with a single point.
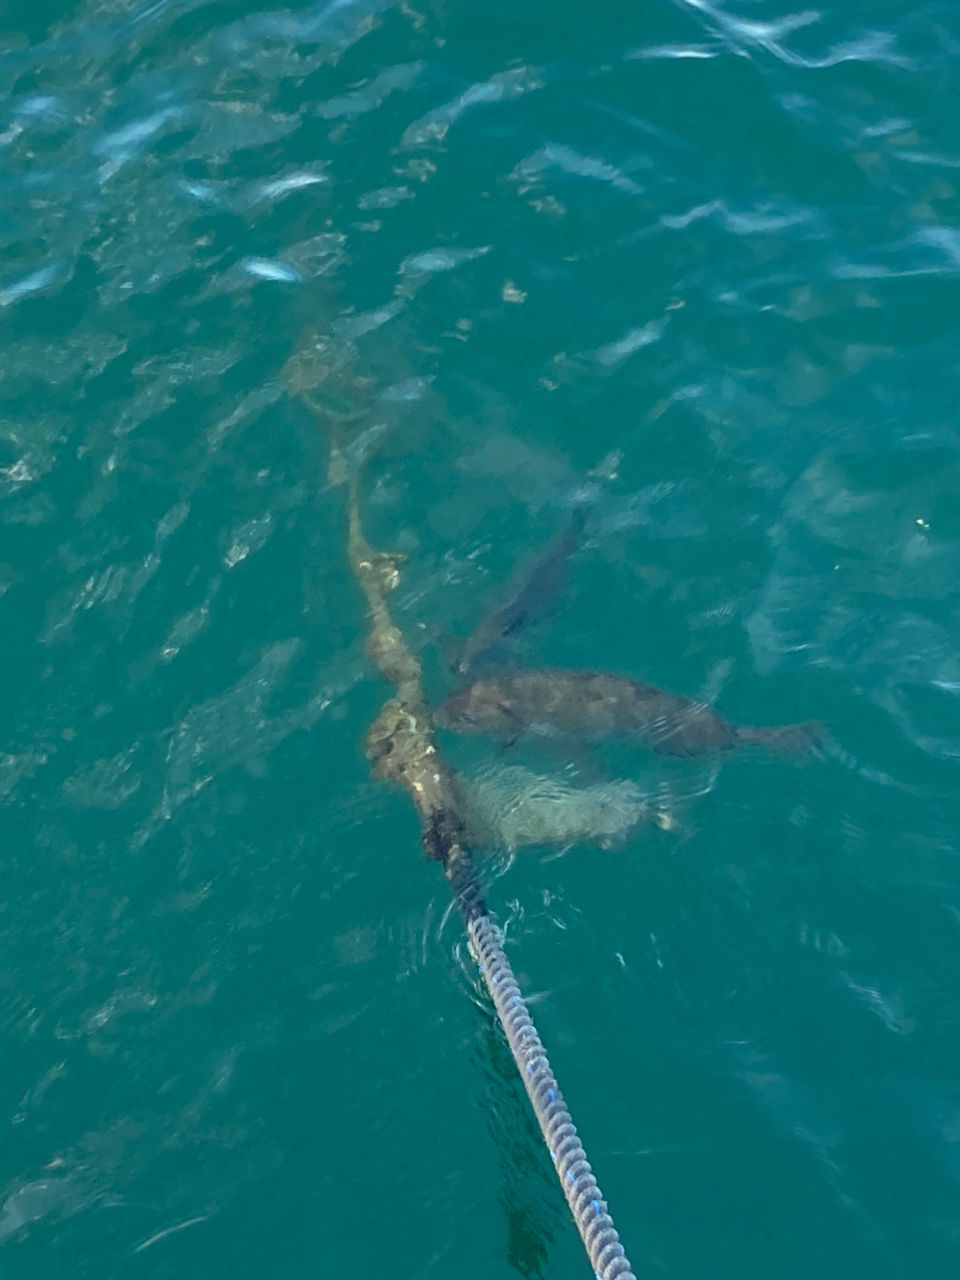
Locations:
(501, 87)
(694, 265)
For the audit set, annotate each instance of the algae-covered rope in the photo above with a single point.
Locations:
(401, 744)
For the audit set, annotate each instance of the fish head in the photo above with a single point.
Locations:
(479, 708)
(454, 711)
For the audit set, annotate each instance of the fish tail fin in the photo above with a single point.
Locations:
(804, 739)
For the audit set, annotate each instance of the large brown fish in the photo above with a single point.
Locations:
(589, 704)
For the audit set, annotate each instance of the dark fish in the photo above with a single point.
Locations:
(529, 599)
(588, 704)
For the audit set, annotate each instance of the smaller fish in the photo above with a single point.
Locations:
(592, 705)
(511, 807)
(529, 599)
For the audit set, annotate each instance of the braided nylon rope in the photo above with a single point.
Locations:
(599, 1236)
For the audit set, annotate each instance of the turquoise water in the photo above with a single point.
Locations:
(714, 248)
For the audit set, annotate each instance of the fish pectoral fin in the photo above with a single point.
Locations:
(507, 739)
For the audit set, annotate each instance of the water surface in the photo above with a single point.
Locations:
(715, 248)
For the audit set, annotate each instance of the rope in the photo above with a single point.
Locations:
(401, 745)
(587, 1205)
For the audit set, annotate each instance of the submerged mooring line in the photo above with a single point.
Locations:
(401, 744)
